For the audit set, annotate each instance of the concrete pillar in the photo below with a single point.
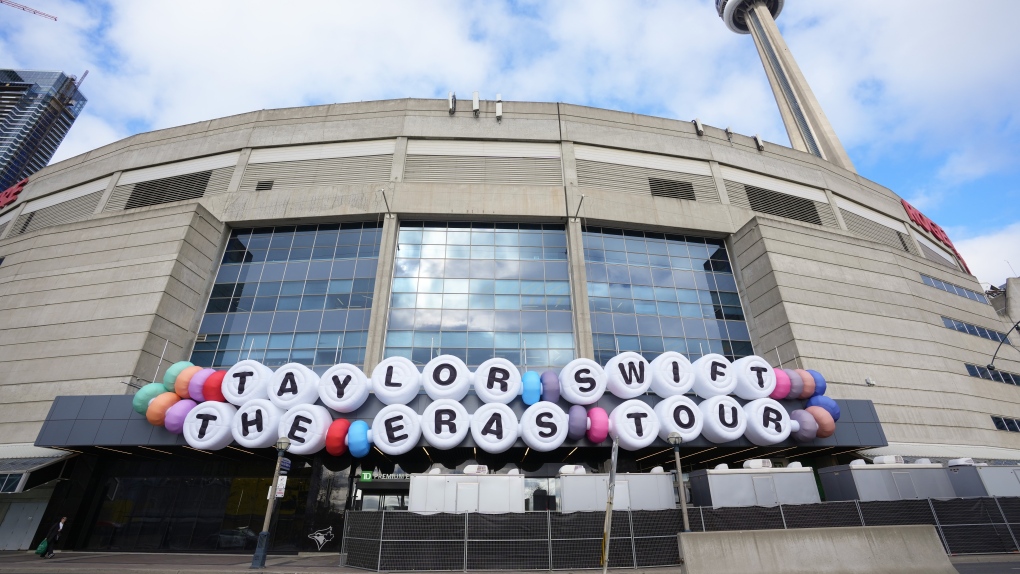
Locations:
(720, 184)
(399, 156)
(242, 163)
(917, 244)
(793, 94)
(1013, 299)
(381, 296)
(835, 209)
(583, 343)
(109, 191)
(14, 218)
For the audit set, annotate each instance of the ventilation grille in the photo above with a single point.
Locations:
(933, 256)
(483, 170)
(264, 185)
(167, 189)
(642, 180)
(781, 204)
(877, 232)
(77, 209)
(317, 172)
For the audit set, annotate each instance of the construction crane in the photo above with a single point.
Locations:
(27, 9)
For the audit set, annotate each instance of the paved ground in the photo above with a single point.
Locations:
(143, 563)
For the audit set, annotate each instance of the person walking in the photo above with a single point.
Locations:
(53, 536)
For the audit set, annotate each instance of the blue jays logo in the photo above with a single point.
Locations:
(321, 537)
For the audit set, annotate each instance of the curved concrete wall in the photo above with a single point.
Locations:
(92, 285)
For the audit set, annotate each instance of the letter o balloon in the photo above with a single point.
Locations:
(724, 419)
(582, 382)
(446, 377)
(208, 426)
(396, 429)
(445, 423)
(305, 426)
(494, 427)
(544, 426)
(257, 424)
(679, 414)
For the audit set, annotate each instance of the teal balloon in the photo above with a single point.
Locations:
(532, 388)
(170, 376)
(140, 402)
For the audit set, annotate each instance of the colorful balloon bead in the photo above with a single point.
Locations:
(170, 376)
(140, 402)
(155, 413)
(336, 437)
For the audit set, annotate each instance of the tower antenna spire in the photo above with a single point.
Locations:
(808, 128)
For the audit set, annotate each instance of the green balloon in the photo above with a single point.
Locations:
(171, 374)
(140, 402)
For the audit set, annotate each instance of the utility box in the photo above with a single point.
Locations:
(898, 481)
(726, 487)
(973, 480)
(634, 491)
(487, 493)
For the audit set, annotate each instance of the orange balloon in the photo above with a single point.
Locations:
(809, 384)
(826, 426)
(182, 380)
(156, 413)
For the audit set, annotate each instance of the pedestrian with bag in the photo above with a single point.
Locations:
(51, 539)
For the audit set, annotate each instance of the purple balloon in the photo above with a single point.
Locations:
(796, 384)
(176, 414)
(808, 426)
(196, 384)
(550, 386)
(577, 422)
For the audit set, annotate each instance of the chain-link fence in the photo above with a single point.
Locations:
(402, 540)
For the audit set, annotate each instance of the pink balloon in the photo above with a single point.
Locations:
(599, 429)
(197, 383)
(176, 414)
(782, 385)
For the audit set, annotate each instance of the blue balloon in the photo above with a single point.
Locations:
(826, 403)
(819, 383)
(357, 439)
(532, 391)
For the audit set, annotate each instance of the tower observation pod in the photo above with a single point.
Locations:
(805, 122)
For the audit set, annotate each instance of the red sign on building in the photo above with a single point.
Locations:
(10, 195)
(932, 228)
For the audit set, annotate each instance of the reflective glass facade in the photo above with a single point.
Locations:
(481, 290)
(654, 292)
(292, 294)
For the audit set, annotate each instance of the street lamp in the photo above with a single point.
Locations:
(675, 439)
(259, 559)
(991, 366)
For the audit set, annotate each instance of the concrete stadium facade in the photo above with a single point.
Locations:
(112, 256)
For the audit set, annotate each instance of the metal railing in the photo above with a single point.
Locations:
(402, 540)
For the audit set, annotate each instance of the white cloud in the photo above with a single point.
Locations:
(989, 256)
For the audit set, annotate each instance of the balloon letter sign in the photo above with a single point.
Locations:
(254, 406)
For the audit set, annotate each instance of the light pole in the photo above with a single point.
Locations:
(675, 439)
(259, 559)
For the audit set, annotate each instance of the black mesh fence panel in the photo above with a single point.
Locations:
(742, 518)
(825, 515)
(362, 553)
(896, 512)
(422, 555)
(1010, 509)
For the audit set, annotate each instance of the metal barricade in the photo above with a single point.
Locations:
(408, 541)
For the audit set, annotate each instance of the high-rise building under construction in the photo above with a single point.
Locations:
(36, 111)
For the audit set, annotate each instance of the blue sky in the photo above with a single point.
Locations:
(925, 95)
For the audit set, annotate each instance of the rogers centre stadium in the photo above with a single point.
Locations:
(432, 286)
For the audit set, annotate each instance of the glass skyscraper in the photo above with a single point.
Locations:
(36, 112)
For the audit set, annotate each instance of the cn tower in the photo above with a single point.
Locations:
(806, 124)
